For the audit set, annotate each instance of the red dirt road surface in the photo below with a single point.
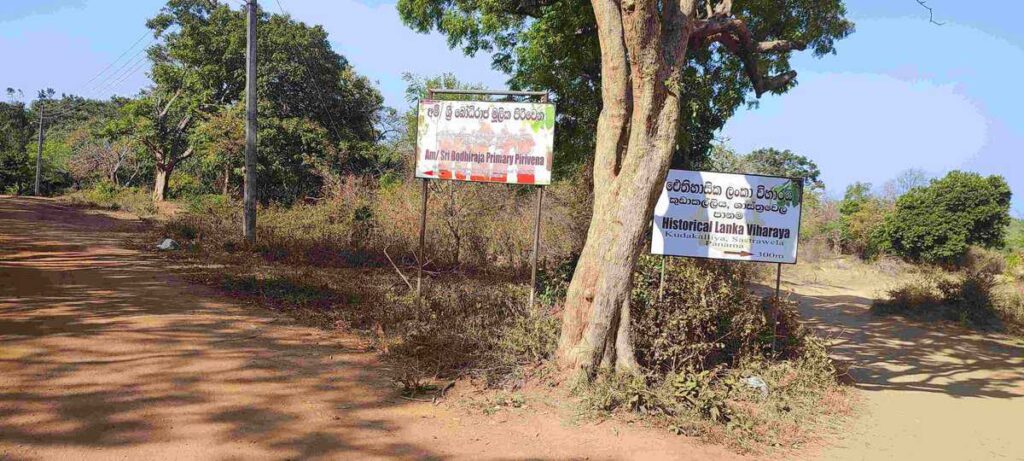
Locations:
(105, 354)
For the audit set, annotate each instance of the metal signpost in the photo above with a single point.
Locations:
(736, 217)
(485, 141)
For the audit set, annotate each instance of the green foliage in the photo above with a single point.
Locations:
(767, 161)
(936, 224)
(106, 195)
(857, 194)
(554, 46)
(1015, 236)
(318, 118)
(15, 134)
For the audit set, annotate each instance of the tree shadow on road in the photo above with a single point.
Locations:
(890, 353)
(101, 349)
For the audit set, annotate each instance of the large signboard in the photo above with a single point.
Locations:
(503, 142)
(728, 216)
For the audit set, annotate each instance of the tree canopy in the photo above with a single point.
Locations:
(937, 223)
(317, 115)
(553, 45)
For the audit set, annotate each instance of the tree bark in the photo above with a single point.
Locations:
(163, 174)
(643, 50)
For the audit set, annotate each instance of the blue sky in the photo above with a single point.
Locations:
(901, 93)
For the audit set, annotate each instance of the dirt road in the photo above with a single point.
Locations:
(104, 355)
(931, 392)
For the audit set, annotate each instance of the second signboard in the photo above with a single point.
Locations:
(502, 142)
(728, 216)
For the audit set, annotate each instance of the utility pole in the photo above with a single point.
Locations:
(39, 153)
(249, 192)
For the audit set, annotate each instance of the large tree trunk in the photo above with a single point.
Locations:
(163, 174)
(643, 50)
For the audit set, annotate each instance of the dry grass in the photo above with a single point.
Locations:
(350, 263)
(109, 197)
(701, 344)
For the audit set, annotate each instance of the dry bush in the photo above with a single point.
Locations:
(974, 295)
(699, 344)
(474, 228)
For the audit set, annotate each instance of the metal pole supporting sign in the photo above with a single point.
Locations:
(536, 236)
(543, 95)
(536, 247)
(423, 231)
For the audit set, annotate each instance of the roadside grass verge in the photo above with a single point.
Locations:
(107, 196)
(701, 346)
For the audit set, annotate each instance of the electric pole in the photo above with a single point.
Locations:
(249, 193)
(39, 153)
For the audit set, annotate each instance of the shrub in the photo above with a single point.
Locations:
(1015, 266)
(700, 345)
(107, 195)
(706, 317)
(936, 224)
(862, 229)
(973, 296)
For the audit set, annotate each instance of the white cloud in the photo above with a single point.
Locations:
(866, 127)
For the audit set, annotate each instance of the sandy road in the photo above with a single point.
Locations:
(104, 355)
(931, 392)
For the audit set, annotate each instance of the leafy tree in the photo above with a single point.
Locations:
(937, 223)
(16, 132)
(774, 162)
(767, 161)
(857, 194)
(160, 122)
(668, 74)
(220, 140)
(303, 86)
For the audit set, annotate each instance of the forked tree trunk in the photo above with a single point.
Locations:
(642, 51)
(163, 174)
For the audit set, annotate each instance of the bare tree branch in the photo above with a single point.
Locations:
(734, 35)
(931, 13)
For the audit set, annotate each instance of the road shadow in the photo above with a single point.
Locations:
(102, 349)
(893, 353)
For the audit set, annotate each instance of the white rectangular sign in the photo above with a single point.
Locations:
(503, 142)
(728, 216)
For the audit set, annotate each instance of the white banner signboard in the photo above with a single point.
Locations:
(728, 216)
(503, 142)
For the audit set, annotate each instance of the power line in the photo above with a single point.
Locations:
(136, 42)
(130, 68)
(118, 75)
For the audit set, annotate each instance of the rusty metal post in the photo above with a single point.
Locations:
(536, 247)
